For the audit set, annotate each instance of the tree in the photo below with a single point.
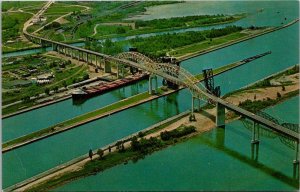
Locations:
(47, 91)
(26, 99)
(278, 95)
(120, 30)
(64, 83)
(91, 154)
(55, 88)
(100, 152)
(86, 76)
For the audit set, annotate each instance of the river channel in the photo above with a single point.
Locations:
(217, 160)
(35, 158)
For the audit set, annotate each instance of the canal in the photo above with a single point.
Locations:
(217, 160)
(45, 154)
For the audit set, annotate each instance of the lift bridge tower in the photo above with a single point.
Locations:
(209, 82)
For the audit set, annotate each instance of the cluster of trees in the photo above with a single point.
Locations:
(157, 46)
(176, 133)
(145, 146)
(181, 21)
(223, 31)
(53, 25)
(107, 47)
(154, 45)
(214, 20)
(293, 70)
(257, 105)
(11, 25)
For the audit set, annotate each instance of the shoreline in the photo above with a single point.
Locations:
(78, 163)
(84, 157)
(217, 71)
(233, 42)
(181, 58)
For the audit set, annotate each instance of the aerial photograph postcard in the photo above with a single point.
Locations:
(149, 95)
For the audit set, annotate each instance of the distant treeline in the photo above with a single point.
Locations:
(184, 21)
(156, 46)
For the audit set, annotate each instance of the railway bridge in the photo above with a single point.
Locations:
(172, 73)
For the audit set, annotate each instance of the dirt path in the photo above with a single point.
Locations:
(95, 29)
(264, 93)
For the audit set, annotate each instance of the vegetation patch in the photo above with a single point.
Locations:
(137, 150)
(258, 105)
(177, 133)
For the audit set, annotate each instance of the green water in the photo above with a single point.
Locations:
(22, 124)
(35, 158)
(218, 160)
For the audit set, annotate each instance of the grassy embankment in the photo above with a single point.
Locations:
(99, 112)
(202, 46)
(139, 147)
(160, 45)
(14, 15)
(258, 105)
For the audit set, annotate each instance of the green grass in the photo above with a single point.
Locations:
(60, 7)
(12, 25)
(198, 47)
(6, 5)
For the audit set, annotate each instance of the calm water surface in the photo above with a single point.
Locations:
(40, 156)
(218, 160)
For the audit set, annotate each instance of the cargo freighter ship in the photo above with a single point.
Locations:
(87, 92)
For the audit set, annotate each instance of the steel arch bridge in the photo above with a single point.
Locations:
(173, 73)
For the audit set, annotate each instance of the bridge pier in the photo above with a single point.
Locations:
(254, 152)
(107, 66)
(296, 163)
(120, 69)
(100, 61)
(220, 116)
(151, 90)
(192, 115)
(97, 68)
(296, 160)
(255, 133)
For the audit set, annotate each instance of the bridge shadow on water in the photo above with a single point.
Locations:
(217, 142)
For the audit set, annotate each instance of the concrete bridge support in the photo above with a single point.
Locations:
(255, 133)
(296, 163)
(254, 152)
(151, 90)
(220, 116)
(192, 115)
(107, 66)
(120, 70)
